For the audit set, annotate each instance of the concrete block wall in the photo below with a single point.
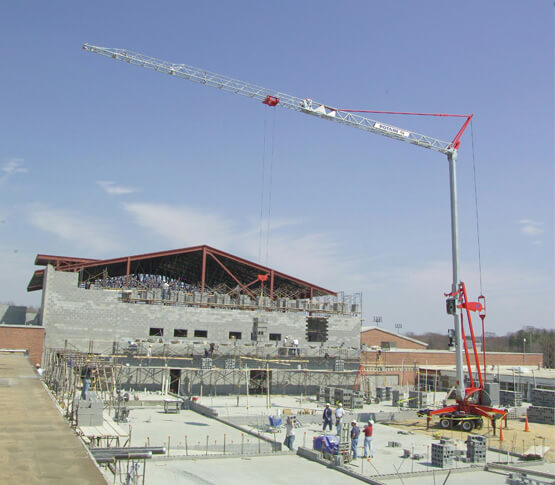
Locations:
(540, 414)
(543, 397)
(80, 315)
(543, 406)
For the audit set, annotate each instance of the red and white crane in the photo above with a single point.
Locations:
(467, 397)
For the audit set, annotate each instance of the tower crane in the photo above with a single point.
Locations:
(468, 411)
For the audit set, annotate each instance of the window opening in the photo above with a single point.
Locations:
(317, 329)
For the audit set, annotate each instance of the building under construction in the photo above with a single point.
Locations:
(190, 302)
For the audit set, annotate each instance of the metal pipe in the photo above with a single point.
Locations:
(155, 450)
(452, 158)
(122, 456)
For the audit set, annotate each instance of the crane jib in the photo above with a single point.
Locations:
(285, 101)
(391, 129)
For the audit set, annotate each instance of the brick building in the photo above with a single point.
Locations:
(385, 339)
(446, 357)
(25, 337)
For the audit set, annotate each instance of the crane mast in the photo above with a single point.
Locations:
(308, 106)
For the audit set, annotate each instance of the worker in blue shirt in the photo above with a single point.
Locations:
(327, 416)
(355, 431)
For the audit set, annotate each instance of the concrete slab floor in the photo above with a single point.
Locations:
(36, 444)
(152, 425)
(257, 404)
(267, 470)
(481, 476)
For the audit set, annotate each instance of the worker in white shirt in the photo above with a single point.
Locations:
(339, 413)
(296, 345)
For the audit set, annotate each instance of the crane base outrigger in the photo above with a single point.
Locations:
(468, 412)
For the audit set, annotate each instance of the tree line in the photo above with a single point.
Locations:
(538, 340)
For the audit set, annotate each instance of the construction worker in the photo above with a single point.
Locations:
(86, 375)
(149, 353)
(368, 431)
(355, 432)
(290, 432)
(339, 413)
(327, 416)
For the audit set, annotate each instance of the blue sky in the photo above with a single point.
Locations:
(102, 159)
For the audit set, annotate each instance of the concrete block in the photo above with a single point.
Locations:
(543, 415)
(543, 398)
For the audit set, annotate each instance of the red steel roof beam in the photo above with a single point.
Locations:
(231, 274)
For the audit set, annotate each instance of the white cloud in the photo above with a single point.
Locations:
(414, 296)
(85, 232)
(12, 166)
(313, 257)
(111, 188)
(183, 226)
(531, 228)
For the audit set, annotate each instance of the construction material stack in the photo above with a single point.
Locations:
(88, 412)
(415, 399)
(443, 453)
(397, 397)
(510, 398)
(543, 406)
(388, 393)
(492, 390)
(329, 394)
(358, 400)
(380, 393)
(476, 447)
(344, 396)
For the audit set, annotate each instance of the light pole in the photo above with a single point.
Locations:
(523, 349)
(377, 320)
(398, 326)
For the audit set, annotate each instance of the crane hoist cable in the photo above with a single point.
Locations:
(268, 227)
(262, 185)
(266, 188)
(476, 207)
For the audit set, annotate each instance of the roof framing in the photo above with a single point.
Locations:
(203, 265)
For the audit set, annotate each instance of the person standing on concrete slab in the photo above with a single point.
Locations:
(290, 432)
(87, 371)
(368, 430)
(339, 413)
(355, 432)
(165, 288)
(149, 353)
(327, 416)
